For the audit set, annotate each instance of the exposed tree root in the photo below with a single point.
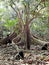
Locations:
(38, 41)
(8, 39)
(18, 41)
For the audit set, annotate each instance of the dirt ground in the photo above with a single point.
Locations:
(35, 57)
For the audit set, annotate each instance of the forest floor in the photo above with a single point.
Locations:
(34, 57)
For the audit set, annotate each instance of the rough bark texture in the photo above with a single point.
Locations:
(8, 39)
(12, 36)
(27, 36)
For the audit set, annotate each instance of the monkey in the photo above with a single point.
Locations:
(44, 47)
(20, 55)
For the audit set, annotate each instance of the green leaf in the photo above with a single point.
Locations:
(10, 23)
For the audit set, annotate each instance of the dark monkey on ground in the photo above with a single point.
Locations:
(44, 47)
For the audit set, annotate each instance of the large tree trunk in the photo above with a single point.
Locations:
(27, 31)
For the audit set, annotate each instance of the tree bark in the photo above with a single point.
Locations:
(27, 31)
(38, 41)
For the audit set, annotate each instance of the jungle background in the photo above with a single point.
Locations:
(26, 24)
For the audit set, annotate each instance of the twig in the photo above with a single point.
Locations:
(31, 20)
(37, 5)
(13, 2)
(35, 16)
(14, 10)
(41, 9)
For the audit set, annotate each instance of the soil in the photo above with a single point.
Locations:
(35, 57)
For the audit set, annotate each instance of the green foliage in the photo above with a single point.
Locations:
(10, 23)
(2, 10)
(40, 25)
(47, 3)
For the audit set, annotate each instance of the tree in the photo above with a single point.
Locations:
(26, 11)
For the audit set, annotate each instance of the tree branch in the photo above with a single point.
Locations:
(35, 16)
(31, 20)
(41, 9)
(13, 2)
(18, 15)
(37, 5)
(34, 10)
(14, 9)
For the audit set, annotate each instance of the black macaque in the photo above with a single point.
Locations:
(20, 55)
(44, 47)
